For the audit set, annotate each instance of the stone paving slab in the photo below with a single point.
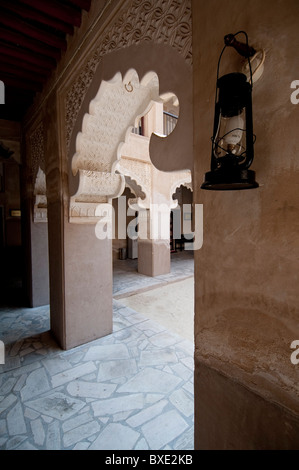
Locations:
(131, 390)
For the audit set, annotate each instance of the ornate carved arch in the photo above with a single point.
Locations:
(151, 21)
(119, 103)
(37, 157)
(40, 213)
(180, 179)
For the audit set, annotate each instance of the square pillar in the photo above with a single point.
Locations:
(153, 257)
(36, 255)
(39, 265)
(81, 282)
(153, 242)
(80, 263)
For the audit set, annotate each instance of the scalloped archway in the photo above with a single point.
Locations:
(106, 129)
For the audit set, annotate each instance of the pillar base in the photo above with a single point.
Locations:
(81, 284)
(153, 257)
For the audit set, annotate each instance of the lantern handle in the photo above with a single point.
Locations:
(243, 49)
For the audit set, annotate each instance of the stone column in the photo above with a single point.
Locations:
(35, 226)
(39, 264)
(153, 241)
(39, 244)
(80, 263)
(87, 285)
(36, 267)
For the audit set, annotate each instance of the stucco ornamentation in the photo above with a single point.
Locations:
(37, 156)
(135, 188)
(176, 179)
(40, 212)
(141, 172)
(189, 186)
(112, 114)
(37, 152)
(159, 21)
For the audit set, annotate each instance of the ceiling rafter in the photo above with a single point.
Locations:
(33, 33)
(35, 46)
(83, 4)
(18, 53)
(29, 13)
(71, 15)
(27, 29)
(22, 64)
(20, 83)
(27, 74)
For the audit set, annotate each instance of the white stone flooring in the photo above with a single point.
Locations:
(132, 390)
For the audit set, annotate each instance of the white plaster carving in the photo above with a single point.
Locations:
(94, 188)
(82, 212)
(141, 172)
(111, 113)
(37, 150)
(37, 156)
(176, 179)
(189, 186)
(104, 141)
(134, 187)
(40, 186)
(105, 129)
(159, 21)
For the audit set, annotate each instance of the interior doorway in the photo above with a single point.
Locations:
(11, 250)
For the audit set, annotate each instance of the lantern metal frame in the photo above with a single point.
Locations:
(233, 95)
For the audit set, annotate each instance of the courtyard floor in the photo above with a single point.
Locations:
(131, 390)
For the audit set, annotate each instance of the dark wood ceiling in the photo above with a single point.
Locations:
(32, 36)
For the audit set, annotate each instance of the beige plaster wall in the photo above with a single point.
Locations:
(247, 270)
(114, 37)
(175, 75)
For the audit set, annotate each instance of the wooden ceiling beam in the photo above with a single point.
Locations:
(18, 39)
(31, 14)
(27, 56)
(10, 69)
(83, 4)
(12, 81)
(22, 64)
(27, 29)
(17, 96)
(57, 10)
(13, 113)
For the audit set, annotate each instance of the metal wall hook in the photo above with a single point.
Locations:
(129, 87)
(243, 49)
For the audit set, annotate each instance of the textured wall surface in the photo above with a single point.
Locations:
(115, 36)
(247, 271)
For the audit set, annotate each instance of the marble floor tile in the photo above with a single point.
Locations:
(56, 405)
(114, 369)
(133, 401)
(132, 389)
(151, 380)
(126, 438)
(164, 429)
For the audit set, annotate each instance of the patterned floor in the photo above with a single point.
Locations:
(130, 390)
(182, 267)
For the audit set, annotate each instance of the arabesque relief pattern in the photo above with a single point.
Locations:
(37, 152)
(37, 155)
(141, 172)
(176, 179)
(161, 21)
(104, 130)
(40, 213)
